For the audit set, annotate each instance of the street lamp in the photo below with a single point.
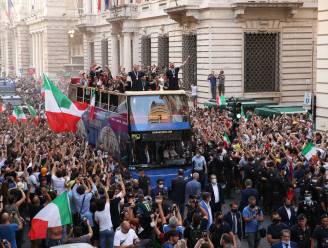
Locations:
(71, 33)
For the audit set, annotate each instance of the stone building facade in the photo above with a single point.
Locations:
(322, 66)
(266, 48)
(40, 35)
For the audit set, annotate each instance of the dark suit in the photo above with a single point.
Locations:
(173, 77)
(136, 79)
(192, 188)
(284, 216)
(215, 207)
(245, 194)
(281, 245)
(178, 187)
(228, 218)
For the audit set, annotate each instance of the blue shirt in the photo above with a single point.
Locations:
(8, 232)
(212, 79)
(77, 199)
(198, 163)
(254, 224)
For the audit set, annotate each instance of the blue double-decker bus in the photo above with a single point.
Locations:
(141, 128)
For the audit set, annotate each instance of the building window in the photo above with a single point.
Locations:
(92, 52)
(189, 48)
(163, 52)
(145, 51)
(261, 62)
(104, 53)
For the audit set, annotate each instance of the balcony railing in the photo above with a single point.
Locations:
(121, 12)
(87, 20)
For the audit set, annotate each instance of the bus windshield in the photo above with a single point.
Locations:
(158, 113)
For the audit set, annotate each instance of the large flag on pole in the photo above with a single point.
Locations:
(55, 214)
(226, 140)
(62, 114)
(17, 114)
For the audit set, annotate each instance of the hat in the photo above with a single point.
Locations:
(44, 171)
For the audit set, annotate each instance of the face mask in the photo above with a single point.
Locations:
(307, 198)
(275, 221)
(234, 210)
(252, 205)
(288, 205)
(214, 180)
(326, 186)
(161, 186)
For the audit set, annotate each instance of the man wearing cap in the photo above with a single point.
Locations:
(301, 232)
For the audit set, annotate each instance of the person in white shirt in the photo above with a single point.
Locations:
(104, 220)
(58, 181)
(194, 94)
(125, 236)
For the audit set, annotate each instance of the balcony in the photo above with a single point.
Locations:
(290, 6)
(122, 12)
(86, 22)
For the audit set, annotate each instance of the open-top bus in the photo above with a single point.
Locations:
(139, 127)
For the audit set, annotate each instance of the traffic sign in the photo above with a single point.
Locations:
(307, 98)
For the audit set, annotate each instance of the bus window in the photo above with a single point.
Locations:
(87, 95)
(104, 101)
(79, 94)
(121, 108)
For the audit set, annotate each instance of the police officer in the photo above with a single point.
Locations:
(310, 209)
(320, 234)
(324, 197)
(301, 232)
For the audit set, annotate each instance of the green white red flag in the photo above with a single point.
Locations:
(55, 214)
(34, 114)
(62, 114)
(309, 150)
(226, 140)
(220, 100)
(17, 115)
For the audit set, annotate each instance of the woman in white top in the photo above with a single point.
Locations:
(104, 220)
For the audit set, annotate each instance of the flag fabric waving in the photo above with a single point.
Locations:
(2, 107)
(226, 140)
(33, 113)
(62, 114)
(17, 114)
(55, 214)
(220, 100)
(92, 105)
(308, 151)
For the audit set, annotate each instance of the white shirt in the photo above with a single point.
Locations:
(104, 219)
(194, 90)
(58, 184)
(33, 182)
(216, 192)
(124, 239)
(289, 213)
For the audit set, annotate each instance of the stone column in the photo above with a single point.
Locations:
(121, 50)
(38, 54)
(41, 54)
(114, 48)
(127, 53)
(34, 50)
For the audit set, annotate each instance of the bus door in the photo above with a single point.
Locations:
(93, 135)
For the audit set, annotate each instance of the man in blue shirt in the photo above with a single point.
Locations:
(212, 80)
(199, 165)
(253, 216)
(8, 230)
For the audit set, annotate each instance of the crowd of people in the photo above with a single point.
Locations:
(234, 187)
(147, 79)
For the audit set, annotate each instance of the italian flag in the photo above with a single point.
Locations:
(55, 214)
(242, 113)
(309, 150)
(33, 113)
(226, 140)
(17, 114)
(220, 100)
(62, 114)
(92, 105)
